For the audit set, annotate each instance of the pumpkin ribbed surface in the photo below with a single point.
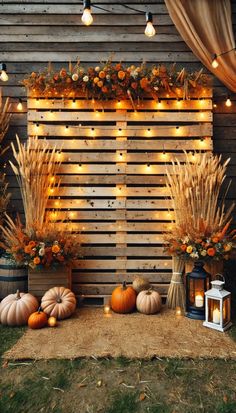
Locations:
(59, 302)
(148, 302)
(15, 309)
(123, 299)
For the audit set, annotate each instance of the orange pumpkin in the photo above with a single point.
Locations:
(123, 299)
(38, 319)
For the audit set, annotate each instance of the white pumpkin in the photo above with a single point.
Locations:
(59, 302)
(15, 309)
(140, 284)
(148, 302)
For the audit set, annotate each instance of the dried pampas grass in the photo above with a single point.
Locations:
(37, 165)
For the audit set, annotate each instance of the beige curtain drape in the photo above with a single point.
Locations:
(206, 27)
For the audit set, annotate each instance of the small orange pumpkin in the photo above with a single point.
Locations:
(38, 319)
(123, 299)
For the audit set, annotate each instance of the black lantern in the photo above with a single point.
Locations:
(197, 283)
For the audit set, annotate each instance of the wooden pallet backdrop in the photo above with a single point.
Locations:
(113, 174)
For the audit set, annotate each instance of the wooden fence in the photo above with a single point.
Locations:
(114, 160)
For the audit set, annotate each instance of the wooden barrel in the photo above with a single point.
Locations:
(12, 277)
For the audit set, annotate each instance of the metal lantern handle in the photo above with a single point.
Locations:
(220, 275)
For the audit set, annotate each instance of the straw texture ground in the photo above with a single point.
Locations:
(90, 333)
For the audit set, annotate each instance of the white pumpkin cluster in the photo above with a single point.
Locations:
(148, 300)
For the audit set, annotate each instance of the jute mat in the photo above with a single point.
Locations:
(90, 333)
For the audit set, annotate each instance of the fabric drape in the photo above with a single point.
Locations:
(206, 27)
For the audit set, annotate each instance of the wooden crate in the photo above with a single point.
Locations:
(40, 281)
(114, 161)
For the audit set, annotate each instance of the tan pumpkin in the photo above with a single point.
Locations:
(140, 284)
(59, 302)
(15, 309)
(148, 302)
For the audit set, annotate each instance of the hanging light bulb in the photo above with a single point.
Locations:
(19, 106)
(228, 102)
(214, 62)
(149, 31)
(3, 70)
(87, 17)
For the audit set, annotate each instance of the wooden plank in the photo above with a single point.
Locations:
(123, 56)
(119, 191)
(157, 116)
(118, 226)
(86, 278)
(121, 251)
(112, 238)
(155, 204)
(203, 129)
(104, 215)
(122, 264)
(82, 104)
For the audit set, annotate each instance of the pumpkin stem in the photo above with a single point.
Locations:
(40, 310)
(149, 291)
(59, 300)
(17, 294)
(124, 285)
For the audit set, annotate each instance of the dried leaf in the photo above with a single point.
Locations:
(142, 396)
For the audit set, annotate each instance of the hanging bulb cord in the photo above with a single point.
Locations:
(223, 53)
(116, 4)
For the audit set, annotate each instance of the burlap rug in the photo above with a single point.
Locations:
(90, 333)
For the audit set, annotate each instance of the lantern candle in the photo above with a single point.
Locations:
(199, 301)
(178, 311)
(107, 309)
(216, 316)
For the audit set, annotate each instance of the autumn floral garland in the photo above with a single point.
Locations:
(114, 81)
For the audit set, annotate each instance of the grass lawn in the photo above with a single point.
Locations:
(115, 386)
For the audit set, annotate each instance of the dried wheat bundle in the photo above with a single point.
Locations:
(176, 291)
(5, 117)
(194, 189)
(36, 170)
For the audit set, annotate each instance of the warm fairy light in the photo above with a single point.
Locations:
(37, 125)
(67, 128)
(37, 101)
(80, 166)
(177, 130)
(179, 102)
(87, 17)
(164, 155)
(97, 113)
(52, 179)
(57, 203)
(149, 30)
(120, 131)
(71, 214)
(202, 114)
(51, 190)
(19, 105)
(73, 103)
(118, 103)
(214, 105)
(107, 309)
(165, 264)
(214, 62)
(53, 215)
(228, 102)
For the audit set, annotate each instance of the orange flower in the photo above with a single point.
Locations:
(33, 75)
(68, 80)
(27, 249)
(144, 83)
(32, 244)
(118, 66)
(211, 251)
(215, 240)
(134, 85)
(96, 80)
(198, 241)
(121, 75)
(55, 248)
(100, 83)
(102, 74)
(183, 247)
(36, 260)
(104, 89)
(63, 72)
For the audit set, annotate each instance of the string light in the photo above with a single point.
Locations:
(149, 30)
(3, 69)
(87, 17)
(19, 105)
(215, 62)
(228, 102)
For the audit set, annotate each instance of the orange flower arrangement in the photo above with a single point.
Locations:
(112, 81)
